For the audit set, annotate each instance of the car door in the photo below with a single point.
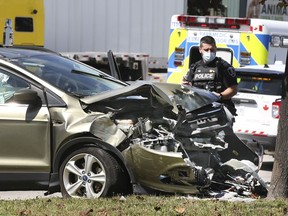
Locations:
(24, 129)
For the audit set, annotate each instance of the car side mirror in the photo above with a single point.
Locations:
(26, 96)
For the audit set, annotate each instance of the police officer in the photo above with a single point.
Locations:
(213, 73)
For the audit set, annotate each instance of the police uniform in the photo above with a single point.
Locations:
(215, 76)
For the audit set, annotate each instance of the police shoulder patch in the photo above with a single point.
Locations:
(231, 71)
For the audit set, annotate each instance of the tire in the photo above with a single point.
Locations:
(89, 173)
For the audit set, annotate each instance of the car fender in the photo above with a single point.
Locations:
(81, 142)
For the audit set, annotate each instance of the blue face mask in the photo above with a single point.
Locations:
(208, 56)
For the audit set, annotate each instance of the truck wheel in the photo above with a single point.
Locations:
(89, 173)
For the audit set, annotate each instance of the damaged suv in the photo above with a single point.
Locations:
(68, 127)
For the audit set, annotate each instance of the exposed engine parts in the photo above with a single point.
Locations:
(203, 166)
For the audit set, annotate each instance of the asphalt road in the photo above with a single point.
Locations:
(265, 173)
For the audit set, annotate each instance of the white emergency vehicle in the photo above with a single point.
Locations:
(241, 41)
(258, 104)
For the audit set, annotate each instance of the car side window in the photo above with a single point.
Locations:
(9, 84)
(260, 84)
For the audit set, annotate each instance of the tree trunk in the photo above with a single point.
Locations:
(279, 181)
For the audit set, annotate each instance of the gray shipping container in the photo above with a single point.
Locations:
(129, 26)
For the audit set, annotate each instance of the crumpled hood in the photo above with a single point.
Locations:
(190, 98)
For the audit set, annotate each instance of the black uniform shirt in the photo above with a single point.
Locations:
(226, 74)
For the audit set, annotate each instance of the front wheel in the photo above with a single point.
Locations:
(89, 173)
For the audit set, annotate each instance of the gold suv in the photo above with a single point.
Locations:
(69, 127)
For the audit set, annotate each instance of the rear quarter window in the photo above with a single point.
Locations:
(260, 83)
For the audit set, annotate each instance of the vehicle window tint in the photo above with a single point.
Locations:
(24, 24)
(70, 76)
(260, 84)
(10, 83)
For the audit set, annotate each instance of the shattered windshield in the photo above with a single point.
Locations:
(188, 97)
(70, 76)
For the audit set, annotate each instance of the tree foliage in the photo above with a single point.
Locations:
(203, 7)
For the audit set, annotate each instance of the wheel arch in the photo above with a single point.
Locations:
(81, 142)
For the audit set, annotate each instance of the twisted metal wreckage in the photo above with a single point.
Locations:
(177, 139)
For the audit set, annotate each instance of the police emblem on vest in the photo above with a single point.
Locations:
(206, 78)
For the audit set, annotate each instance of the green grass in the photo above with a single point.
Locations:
(141, 205)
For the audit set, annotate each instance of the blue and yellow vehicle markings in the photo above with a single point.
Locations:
(254, 46)
(257, 45)
(179, 40)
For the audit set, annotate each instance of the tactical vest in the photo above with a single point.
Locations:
(207, 78)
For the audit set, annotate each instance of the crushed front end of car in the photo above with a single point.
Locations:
(176, 139)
